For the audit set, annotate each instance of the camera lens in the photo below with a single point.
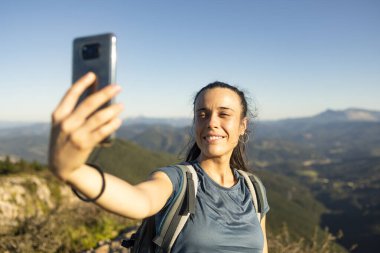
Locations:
(90, 51)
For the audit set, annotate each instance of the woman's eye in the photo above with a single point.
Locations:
(201, 115)
(223, 114)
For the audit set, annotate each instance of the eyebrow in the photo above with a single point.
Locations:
(219, 108)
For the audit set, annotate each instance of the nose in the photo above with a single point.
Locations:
(213, 121)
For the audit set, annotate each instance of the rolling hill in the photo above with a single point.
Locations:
(327, 156)
(291, 203)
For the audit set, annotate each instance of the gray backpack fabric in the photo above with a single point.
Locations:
(148, 240)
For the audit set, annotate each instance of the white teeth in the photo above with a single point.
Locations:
(212, 138)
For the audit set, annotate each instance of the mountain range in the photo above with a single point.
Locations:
(335, 155)
(29, 141)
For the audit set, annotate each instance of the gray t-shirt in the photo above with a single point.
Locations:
(224, 219)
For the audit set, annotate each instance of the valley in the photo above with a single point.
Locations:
(322, 171)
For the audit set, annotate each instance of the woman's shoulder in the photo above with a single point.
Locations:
(175, 175)
(172, 172)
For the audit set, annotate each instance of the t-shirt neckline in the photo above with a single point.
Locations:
(236, 175)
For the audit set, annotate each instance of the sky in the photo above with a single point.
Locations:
(294, 58)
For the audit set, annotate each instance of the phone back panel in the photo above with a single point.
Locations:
(97, 54)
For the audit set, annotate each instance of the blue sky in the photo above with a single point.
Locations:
(295, 58)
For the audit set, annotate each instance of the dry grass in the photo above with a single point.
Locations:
(320, 243)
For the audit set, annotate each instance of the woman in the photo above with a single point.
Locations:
(224, 221)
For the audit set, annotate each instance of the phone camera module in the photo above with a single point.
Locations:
(90, 51)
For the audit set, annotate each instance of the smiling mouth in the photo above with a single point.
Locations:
(213, 137)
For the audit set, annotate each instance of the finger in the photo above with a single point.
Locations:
(89, 106)
(83, 140)
(106, 130)
(97, 99)
(102, 117)
(70, 99)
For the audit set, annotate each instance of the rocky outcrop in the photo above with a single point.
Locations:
(23, 196)
(38, 213)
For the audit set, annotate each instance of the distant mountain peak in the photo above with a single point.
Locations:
(350, 114)
(362, 115)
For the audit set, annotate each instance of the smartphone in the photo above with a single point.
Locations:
(96, 53)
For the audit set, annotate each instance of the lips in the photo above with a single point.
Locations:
(213, 137)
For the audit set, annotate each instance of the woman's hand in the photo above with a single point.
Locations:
(74, 134)
(76, 131)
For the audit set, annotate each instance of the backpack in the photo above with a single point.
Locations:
(148, 240)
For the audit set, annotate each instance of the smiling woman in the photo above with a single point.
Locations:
(221, 103)
(218, 123)
(224, 219)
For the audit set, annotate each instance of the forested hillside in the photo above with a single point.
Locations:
(320, 171)
(59, 222)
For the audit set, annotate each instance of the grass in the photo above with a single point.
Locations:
(65, 230)
(320, 243)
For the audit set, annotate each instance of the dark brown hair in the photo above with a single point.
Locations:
(238, 157)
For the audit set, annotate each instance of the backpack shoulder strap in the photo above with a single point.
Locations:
(179, 211)
(257, 190)
(192, 194)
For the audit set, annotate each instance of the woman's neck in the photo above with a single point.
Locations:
(218, 170)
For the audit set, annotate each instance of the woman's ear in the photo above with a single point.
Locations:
(243, 125)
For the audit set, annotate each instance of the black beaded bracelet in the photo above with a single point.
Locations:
(83, 198)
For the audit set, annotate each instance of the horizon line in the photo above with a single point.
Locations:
(142, 116)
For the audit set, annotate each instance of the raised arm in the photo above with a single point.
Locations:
(137, 202)
(76, 131)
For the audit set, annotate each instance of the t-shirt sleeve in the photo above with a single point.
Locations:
(174, 175)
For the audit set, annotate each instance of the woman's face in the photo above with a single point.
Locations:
(218, 122)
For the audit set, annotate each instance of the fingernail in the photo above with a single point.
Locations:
(116, 87)
(90, 75)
